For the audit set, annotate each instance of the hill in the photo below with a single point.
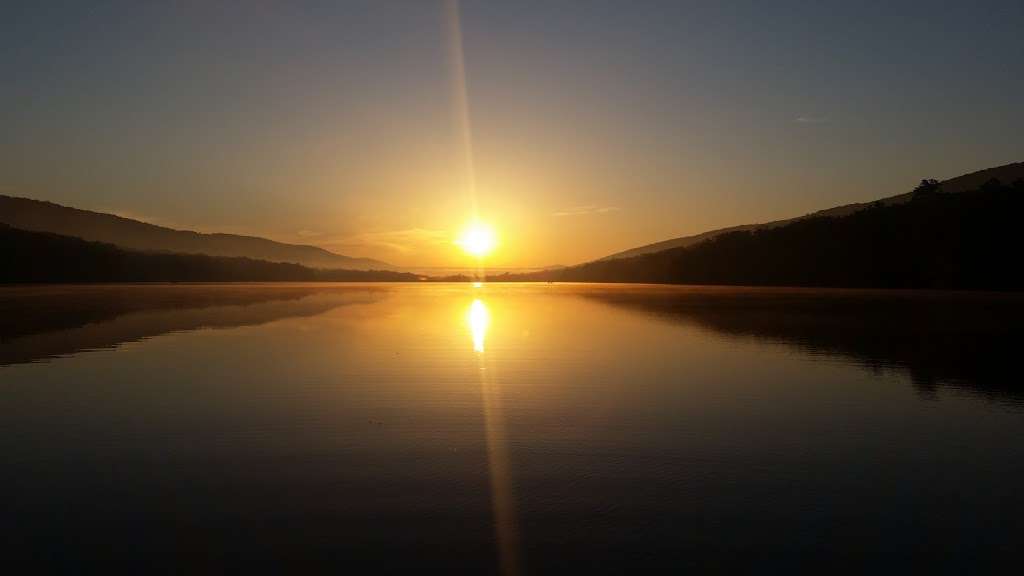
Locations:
(1007, 173)
(42, 257)
(966, 240)
(39, 216)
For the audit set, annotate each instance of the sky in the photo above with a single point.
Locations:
(577, 129)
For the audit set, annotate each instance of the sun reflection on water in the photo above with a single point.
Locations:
(479, 319)
(505, 524)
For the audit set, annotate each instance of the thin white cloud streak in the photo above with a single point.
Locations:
(812, 119)
(401, 241)
(584, 210)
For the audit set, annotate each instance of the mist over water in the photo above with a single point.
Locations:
(517, 428)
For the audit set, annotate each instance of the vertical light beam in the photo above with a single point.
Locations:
(460, 105)
(462, 115)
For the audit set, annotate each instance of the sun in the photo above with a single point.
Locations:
(477, 239)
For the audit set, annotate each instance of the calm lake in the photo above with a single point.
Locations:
(530, 428)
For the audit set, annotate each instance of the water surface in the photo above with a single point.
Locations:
(530, 428)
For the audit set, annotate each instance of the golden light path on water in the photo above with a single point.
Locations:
(478, 318)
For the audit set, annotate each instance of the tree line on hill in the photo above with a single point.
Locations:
(42, 257)
(964, 240)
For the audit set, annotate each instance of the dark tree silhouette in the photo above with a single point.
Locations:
(963, 240)
(43, 257)
(927, 187)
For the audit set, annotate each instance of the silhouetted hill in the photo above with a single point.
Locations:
(964, 240)
(39, 216)
(1007, 173)
(42, 257)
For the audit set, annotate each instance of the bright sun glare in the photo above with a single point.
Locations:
(477, 239)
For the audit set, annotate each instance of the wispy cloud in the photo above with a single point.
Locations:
(812, 119)
(401, 241)
(588, 209)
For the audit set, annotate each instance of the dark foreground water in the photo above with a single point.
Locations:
(531, 428)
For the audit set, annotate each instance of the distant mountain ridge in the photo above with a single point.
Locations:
(936, 240)
(44, 258)
(41, 216)
(1006, 174)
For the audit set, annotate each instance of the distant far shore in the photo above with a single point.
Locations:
(935, 240)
